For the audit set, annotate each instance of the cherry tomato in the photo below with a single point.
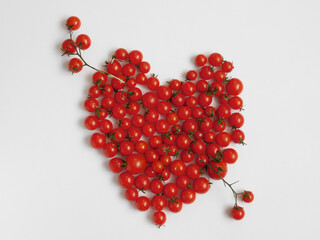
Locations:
(164, 175)
(175, 205)
(182, 181)
(237, 213)
(164, 92)
(178, 167)
(126, 180)
(141, 78)
(121, 54)
(124, 123)
(183, 141)
(187, 156)
(227, 66)
(128, 70)
(155, 141)
(159, 218)
(188, 88)
(191, 75)
(143, 203)
(133, 108)
(98, 140)
(110, 149)
(170, 190)
(126, 148)
(136, 163)
(157, 166)
(212, 150)
(163, 107)
(148, 129)
(238, 136)
(224, 111)
(68, 46)
(215, 59)
(236, 102)
(198, 146)
(223, 139)
(201, 160)
(201, 60)
(118, 111)
(236, 120)
(178, 100)
(234, 86)
(201, 185)
(91, 122)
(152, 116)
(116, 165)
(247, 196)
(132, 194)
(184, 112)
(73, 23)
(193, 171)
(230, 155)
(153, 83)
(135, 57)
(114, 67)
(206, 72)
(99, 79)
(150, 100)
(156, 186)
(158, 202)
(83, 41)
(75, 65)
(107, 102)
(142, 182)
(140, 146)
(175, 84)
(144, 67)
(217, 170)
(151, 155)
(188, 196)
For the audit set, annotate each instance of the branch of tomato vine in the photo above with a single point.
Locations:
(78, 53)
(235, 194)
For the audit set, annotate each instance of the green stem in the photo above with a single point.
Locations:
(235, 194)
(78, 53)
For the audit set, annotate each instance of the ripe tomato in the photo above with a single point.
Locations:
(116, 165)
(219, 76)
(216, 88)
(224, 111)
(188, 196)
(157, 166)
(197, 112)
(178, 167)
(143, 203)
(217, 170)
(107, 102)
(234, 86)
(236, 102)
(247, 196)
(75, 65)
(159, 218)
(138, 120)
(206, 124)
(227, 66)
(118, 111)
(191, 75)
(175, 84)
(99, 79)
(126, 148)
(121, 54)
(148, 129)
(204, 99)
(156, 186)
(201, 159)
(187, 156)
(110, 149)
(140, 146)
(215, 59)
(193, 171)
(141, 78)
(117, 135)
(132, 194)
(128, 70)
(68, 46)
(230, 155)
(178, 99)
(136, 163)
(201, 185)
(219, 125)
(126, 180)
(201, 60)
(133, 108)
(223, 139)
(124, 123)
(184, 112)
(150, 173)
(91, 122)
(142, 182)
(135, 57)
(155, 141)
(153, 83)
(236, 120)
(149, 100)
(158, 202)
(151, 155)
(188, 88)
(182, 181)
(237, 212)
(183, 141)
(166, 160)
(83, 41)
(152, 116)
(212, 150)
(238, 136)
(144, 67)
(114, 67)
(164, 92)
(175, 205)
(164, 175)
(94, 92)
(198, 147)
(73, 23)
(170, 190)
(206, 72)
(98, 140)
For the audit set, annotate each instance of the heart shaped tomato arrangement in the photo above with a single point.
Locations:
(164, 141)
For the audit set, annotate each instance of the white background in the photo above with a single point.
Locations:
(53, 185)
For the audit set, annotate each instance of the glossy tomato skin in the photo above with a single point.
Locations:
(183, 141)
(142, 182)
(175, 206)
(170, 190)
(135, 57)
(150, 100)
(178, 167)
(68, 46)
(182, 181)
(230, 155)
(115, 165)
(91, 122)
(121, 54)
(227, 66)
(73, 23)
(136, 163)
(237, 136)
(201, 60)
(201, 185)
(236, 102)
(75, 65)
(158, 202)
(110, 149)
(143, 203)
(132, 194)
(159, 218)
(188, 196)
(193, 171)
(223, 139)
(156, 186)
(236, 120)
(98, 140)
(237, 213)
(217, 167)
(164, 92)
(247, 196)
(126, 148)
(83, 41)
(144, 67)
(234, 86)
(126, 180)
(215, 59)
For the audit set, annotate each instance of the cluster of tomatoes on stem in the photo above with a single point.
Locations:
(167, 141)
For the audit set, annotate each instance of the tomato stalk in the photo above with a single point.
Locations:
(78, 53)
(235, 194)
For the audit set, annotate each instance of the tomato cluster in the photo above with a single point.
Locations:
(166, 141)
